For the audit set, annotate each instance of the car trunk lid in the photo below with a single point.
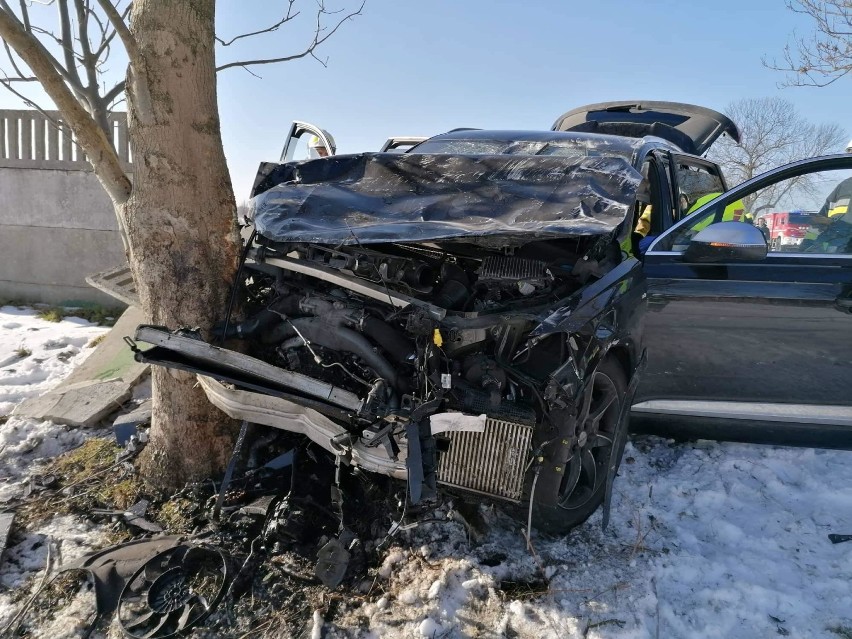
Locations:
(693, 128)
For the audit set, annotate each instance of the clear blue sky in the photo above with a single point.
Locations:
(421, 68)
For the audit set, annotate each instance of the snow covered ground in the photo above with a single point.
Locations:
(706, 540)
(35, 355)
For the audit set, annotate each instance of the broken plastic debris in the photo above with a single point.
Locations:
(332, 563)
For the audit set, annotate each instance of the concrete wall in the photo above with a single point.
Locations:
(57, 224)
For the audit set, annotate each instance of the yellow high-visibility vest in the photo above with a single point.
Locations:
(734, 212)
(840, 208)
(644, 223)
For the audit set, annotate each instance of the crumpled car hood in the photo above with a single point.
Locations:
(383, 197)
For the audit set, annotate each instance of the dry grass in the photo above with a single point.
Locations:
(177, 515)
(96, 341)
(53, 314)
(88, 477)
(96, 314)
(79, 464)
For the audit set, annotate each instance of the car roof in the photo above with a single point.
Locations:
(514, 135)
(619, 144)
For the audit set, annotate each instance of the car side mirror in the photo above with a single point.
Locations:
(727, 242)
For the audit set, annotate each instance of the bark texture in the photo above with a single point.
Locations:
(180, 220)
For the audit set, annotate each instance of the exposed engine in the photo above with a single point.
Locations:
(436, 363)
(431, 340)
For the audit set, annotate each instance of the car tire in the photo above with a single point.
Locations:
(556, 512)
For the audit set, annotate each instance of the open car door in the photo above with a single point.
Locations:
(750, 341)
(692, 128)
(301, 145)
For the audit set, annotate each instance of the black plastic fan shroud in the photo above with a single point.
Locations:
(172, 592)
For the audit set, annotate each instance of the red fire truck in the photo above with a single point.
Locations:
(787, 229)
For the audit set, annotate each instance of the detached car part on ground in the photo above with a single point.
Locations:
(465, 321)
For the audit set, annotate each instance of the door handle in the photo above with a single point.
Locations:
(843, 304)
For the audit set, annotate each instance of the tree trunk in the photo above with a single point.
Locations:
(181, 223)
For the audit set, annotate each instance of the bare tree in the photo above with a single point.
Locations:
(179, 214)
(825, 56)
(82, 56)
(772, 133)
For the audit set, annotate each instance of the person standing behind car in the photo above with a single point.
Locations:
(761, 224)
(837, 202)
(318, 149)
(836, 207)
(734, 212)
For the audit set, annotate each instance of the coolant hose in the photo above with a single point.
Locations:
(340, 339)
(390, 339)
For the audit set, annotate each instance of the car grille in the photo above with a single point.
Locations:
(491, 462)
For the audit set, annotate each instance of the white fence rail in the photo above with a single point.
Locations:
(29, 140)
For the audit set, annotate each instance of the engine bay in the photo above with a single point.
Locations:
(438, 363)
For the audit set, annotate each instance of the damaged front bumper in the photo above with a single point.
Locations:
(289, 416)
(487, 455)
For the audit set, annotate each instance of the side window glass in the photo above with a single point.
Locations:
(697, 184)
(818, 214)
(808, 213)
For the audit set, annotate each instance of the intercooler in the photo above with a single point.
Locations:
(491, 462)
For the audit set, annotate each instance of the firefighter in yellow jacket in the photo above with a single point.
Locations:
(837, 202)
(836, 235)
(734, 212)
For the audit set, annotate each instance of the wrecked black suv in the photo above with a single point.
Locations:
(460, 321)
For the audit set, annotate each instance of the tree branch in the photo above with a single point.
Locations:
(68, 43)
(89, 135)
(25, 14)
(826, 56)
(114, 92)
(15, 65)
(773, 134)
(136, 70)
(89, 63)
(29, 102)
(116, 19)
(108, 39)
(287, 17)
(44, 52)
(320, 36)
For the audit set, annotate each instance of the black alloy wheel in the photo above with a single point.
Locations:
(599, 433)
(585, 469)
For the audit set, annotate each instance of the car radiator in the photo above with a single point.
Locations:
(491, 462)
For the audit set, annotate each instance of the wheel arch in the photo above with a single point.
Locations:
(625, 358)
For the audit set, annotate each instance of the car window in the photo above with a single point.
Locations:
(808, 213)
(697, 184)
